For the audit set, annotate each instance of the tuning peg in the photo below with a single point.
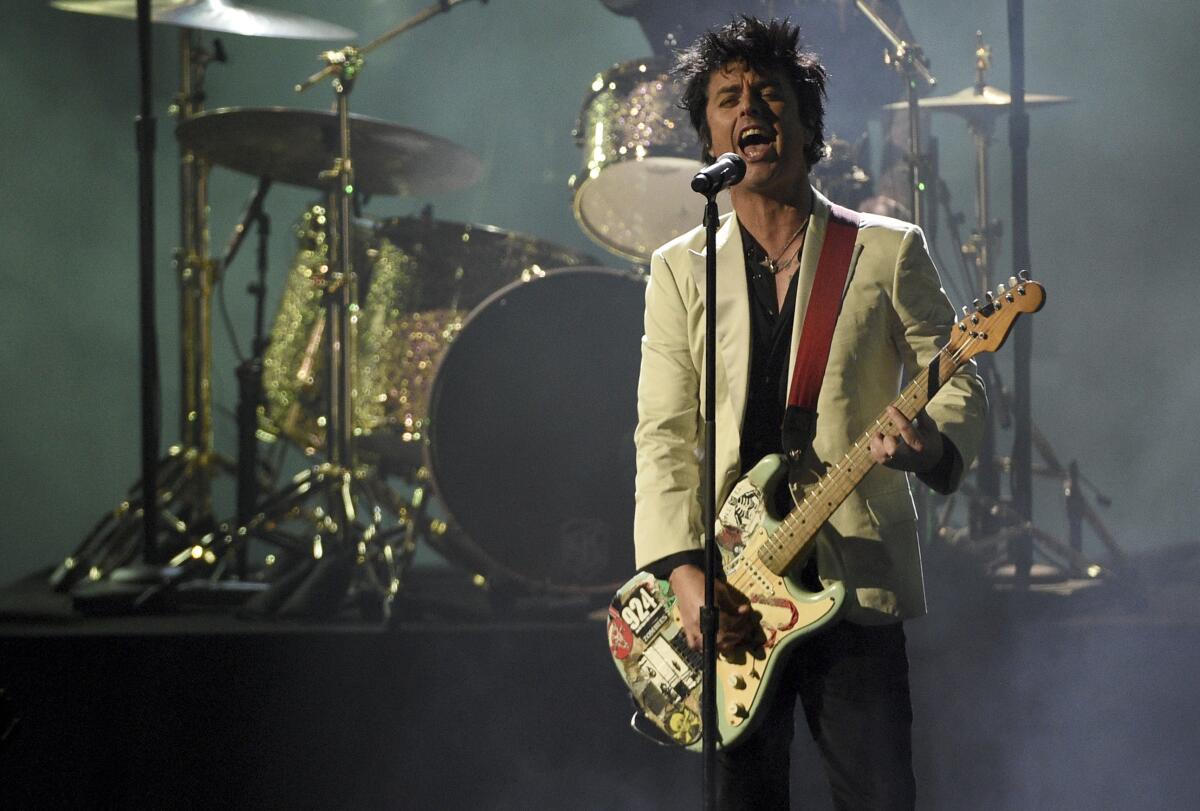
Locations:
(1000, 288)
(966, 311)
(1012, 281)
(1024, 274)
(988, 295)
(976, 303)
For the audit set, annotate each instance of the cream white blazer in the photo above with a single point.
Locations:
(894, 318)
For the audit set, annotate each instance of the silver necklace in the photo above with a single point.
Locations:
(776, 265)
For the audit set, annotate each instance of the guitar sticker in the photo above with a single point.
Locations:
(775, 622)
(620, 637)
(740, 517)
(644, 612)
(684, 726)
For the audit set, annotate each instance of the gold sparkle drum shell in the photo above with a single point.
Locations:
(417, 278)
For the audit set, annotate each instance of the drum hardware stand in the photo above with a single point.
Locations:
(358, 548)
(336, 560)
(342, 548)
(183, 480)
(250, 370)
(984, 520)
(1009, 525)
(978, 248)
(1005, 524)
(910, 61)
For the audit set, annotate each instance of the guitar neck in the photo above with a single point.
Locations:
(791, 538)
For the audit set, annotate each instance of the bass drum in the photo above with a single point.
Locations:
(533, 409)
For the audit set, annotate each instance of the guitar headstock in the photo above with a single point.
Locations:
(987, 328)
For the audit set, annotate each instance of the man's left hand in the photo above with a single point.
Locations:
(917, 449)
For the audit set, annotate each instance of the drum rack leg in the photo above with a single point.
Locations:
(318, 573)
(184, 493)
(115, 540)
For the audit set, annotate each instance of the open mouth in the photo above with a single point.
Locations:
(753, 142)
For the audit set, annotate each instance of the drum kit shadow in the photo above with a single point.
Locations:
(461, 384)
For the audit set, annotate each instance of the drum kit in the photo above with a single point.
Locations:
(465, 385)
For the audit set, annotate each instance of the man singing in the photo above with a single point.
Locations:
(751, 90)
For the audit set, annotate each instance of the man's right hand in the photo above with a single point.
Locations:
(738, 623)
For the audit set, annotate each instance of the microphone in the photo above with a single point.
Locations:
(724, 172)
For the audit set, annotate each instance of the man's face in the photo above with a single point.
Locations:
(757, 117)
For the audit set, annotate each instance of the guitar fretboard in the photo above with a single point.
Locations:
(789, 541)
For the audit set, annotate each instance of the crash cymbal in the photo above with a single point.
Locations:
(220, 16)
(972, 101)
(296, 146)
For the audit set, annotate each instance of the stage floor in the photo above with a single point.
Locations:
(1015, 709)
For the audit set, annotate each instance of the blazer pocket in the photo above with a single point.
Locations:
(891, 506)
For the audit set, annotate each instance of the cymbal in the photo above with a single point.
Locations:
(295, 146)
(221, 16)
(970, 101)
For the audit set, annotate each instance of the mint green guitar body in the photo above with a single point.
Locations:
(646, 637)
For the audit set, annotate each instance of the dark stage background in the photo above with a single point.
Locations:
(1079, 706)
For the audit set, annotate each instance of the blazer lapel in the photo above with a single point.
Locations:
(733, 311)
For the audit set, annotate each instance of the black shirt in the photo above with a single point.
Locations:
(770, 340)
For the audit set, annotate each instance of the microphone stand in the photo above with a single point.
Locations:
(147, 321)
(1021, 550)
(726, 171)
(708, 612)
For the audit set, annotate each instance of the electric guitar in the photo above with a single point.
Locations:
(645, 633)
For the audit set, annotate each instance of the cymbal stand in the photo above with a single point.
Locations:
(197, 276)
(184, 491)
(346, 543)
(250, 370)
(910, 61)
(348, 552)
(995, 524)
(979, 249)
(1079, 510)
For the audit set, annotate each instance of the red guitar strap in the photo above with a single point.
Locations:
(824, 304)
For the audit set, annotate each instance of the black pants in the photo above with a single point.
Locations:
(852, 682)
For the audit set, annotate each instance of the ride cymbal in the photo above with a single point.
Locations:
(219, 16)
(296, 146)
(978, 101)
